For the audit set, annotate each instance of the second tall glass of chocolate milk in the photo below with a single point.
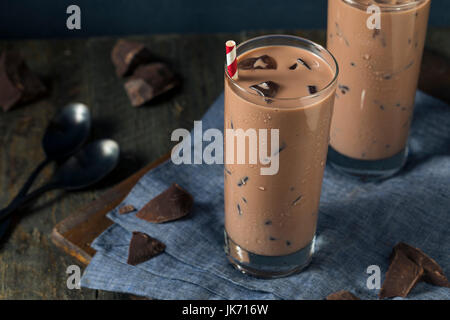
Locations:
(278, 114)
(378, 45)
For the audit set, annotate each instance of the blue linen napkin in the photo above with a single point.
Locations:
(359, 223)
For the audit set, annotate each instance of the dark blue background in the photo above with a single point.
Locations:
(47, 18)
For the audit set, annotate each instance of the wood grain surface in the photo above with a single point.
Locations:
(31, 267)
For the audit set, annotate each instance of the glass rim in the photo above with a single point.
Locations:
(386, 7)
(309, 42)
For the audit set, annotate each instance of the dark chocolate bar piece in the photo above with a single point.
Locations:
(148, 82)
(172, 204)
(433, 273)
(401, 277)
(342, 295)
(143, 248)
(126, 209)
(127, 55)
(18, 84)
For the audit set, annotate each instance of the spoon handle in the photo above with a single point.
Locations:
(6, 212)
(31, 179)
(23, 191)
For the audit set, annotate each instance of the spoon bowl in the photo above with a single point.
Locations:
(88, 166)
(67, 132)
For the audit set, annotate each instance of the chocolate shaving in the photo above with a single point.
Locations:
(18, 84)
(262, 62)
(126, 209)
(342, 295)
(172, 204)
(267, 89)
(127, 55)
(148, 82)
(344, 89)
(297, 200)
(242, 182)
(143, 248)
(303, 62)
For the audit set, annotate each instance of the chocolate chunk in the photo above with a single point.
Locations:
(170, 205)
(127, 55)
(312, 89)
(268, 222)
(143, 248)
(245, 200)
(126, 209)
(288, 243)
(273, 239)
(433, 273)
(18, 84)
(293, 67)
(149, 81)
(352, 64)
(303, 62)
(401, 277)
(239, 209)
(262, 62)
(267, 89)
(227, 171)
(342, 295)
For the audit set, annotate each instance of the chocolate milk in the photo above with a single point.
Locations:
(276, 215)
(379, 75)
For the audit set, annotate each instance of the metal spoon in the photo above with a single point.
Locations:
(65, 134)
(85, 168)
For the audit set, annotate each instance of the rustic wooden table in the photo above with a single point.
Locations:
(31, 267)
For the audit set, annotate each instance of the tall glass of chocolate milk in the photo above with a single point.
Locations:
(378, 45)
(282, 104)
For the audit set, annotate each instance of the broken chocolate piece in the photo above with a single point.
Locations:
(170, 205)
(312, 89)
(262, 62)
(126, 209)
(342, 295)
(18, 84)
(401, 277)
(303, 62)
(267, 89)
(149, 81)
(127, 55)
(143, 248)
(433, 273)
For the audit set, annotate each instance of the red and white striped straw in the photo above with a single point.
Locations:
(231, 59)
